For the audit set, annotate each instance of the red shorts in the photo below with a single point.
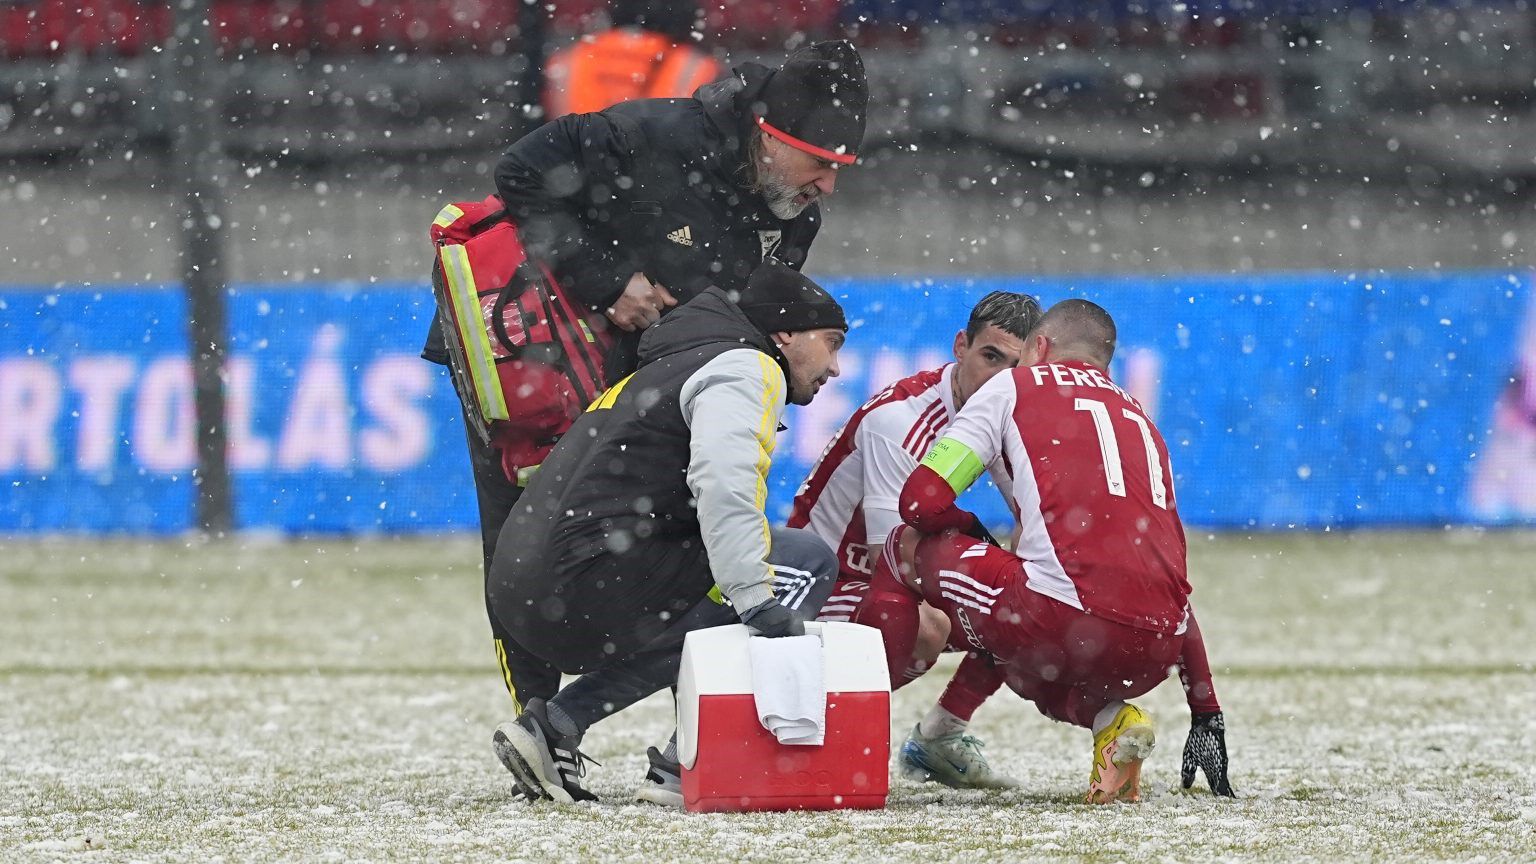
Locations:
(1067, 662)
(849, 594)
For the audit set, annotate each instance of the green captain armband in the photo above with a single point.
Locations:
(955, 463)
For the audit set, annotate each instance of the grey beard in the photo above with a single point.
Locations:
(780, 199)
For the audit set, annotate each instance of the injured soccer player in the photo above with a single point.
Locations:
(849, 500)
(1091, 607)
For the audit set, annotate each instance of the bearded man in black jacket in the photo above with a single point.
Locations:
(643, 206)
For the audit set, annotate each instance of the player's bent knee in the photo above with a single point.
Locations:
(799, 548)
(805, 570)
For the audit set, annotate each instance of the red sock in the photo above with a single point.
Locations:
(974, 682)
(891, 607)
(1195, 672)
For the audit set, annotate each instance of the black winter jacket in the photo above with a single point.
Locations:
(656, 186)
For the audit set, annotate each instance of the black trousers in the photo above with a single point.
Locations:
(580, 613)
(524, 674)
(621, 622)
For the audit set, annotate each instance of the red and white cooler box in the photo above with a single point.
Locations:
(731, 763)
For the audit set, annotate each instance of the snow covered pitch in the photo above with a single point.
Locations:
(334, 700)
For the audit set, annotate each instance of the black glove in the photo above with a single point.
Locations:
(773, 619)
(1206, 749)
(980, 532)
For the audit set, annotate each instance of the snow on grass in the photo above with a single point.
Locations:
(333, 701)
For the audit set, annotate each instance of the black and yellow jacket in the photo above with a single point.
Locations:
(679, 449)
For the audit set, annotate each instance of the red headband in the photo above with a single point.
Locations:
(818, 152)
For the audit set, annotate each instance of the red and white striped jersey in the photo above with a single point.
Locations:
(1093, 488)
(850, 499)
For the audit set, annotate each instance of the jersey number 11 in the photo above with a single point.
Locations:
(1109, 446)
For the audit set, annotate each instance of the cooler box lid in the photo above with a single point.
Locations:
(715, 662)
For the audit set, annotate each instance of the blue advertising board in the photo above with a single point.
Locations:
(1288, 400)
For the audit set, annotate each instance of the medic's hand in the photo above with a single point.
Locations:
(641, 304)
(773, 619)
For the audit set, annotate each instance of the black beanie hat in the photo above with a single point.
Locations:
(779, 298)
(818, 101)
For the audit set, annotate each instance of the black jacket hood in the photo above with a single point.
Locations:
(708, 319)
(728, 105)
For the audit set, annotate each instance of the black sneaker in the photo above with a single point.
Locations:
(663, 783)
(543, 759)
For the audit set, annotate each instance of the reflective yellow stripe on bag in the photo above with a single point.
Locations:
(447, 216)
(472, 332)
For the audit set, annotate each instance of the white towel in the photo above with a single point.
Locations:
(788, 688)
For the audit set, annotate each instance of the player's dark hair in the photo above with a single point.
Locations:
(1081, 328)
(1014, 314)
